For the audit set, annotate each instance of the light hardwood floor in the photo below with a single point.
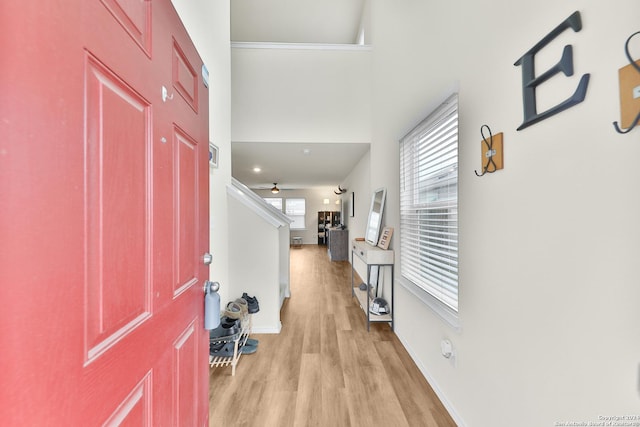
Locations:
(324, 368)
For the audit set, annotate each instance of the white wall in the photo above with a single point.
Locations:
(548, 247)
(359, 183)
(254, 264)
(208, 25)
(301, 95)
(284, 270)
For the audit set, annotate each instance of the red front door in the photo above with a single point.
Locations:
(103, 216)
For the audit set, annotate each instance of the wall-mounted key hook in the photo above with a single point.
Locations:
(492, 154)
(630, 128)
(628, 95)
(626, 51)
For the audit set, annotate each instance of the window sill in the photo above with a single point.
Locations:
(448, 316)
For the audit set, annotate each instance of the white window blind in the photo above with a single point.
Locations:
(429, 204)
(295, 209)
(276, 202)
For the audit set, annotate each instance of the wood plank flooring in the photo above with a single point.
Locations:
(324, 368)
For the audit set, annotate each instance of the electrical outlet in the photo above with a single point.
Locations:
(446, 348)
(448, 352)
(629, 94)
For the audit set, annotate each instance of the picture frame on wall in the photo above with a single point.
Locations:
(352, 209)
(213, 155)
(385, 238)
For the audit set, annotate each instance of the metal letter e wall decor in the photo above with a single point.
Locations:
(530, 81)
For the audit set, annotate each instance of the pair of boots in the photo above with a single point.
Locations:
(225, 349)
(228, 328)
(239, 308)
(252, 303)
(234, 313)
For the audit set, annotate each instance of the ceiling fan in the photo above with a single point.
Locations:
(273, 188)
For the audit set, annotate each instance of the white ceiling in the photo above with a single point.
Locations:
(295, 21)
(294, 165)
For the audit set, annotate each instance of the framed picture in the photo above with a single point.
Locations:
(213, 155)
(352, 208)
(385, 238)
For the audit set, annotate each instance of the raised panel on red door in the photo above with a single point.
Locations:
(115, 193)
(186, 197)
(118, 219)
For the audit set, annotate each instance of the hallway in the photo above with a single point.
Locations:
(324, 368)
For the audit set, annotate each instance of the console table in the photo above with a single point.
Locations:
(371, 256)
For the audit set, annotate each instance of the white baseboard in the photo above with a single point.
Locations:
(267, 329)
(434, 385)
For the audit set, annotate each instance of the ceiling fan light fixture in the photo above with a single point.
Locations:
(275, 189)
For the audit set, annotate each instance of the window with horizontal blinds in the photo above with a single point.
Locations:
(429, 204)
(295, 209)
(276, 202)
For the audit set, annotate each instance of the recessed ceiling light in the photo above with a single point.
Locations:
(257, 170)
(306, 151)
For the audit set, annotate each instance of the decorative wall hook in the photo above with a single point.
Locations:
(340, 190)
(491, 152)
(629, 92)
(630, 128)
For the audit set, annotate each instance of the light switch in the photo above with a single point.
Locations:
(629, 94)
